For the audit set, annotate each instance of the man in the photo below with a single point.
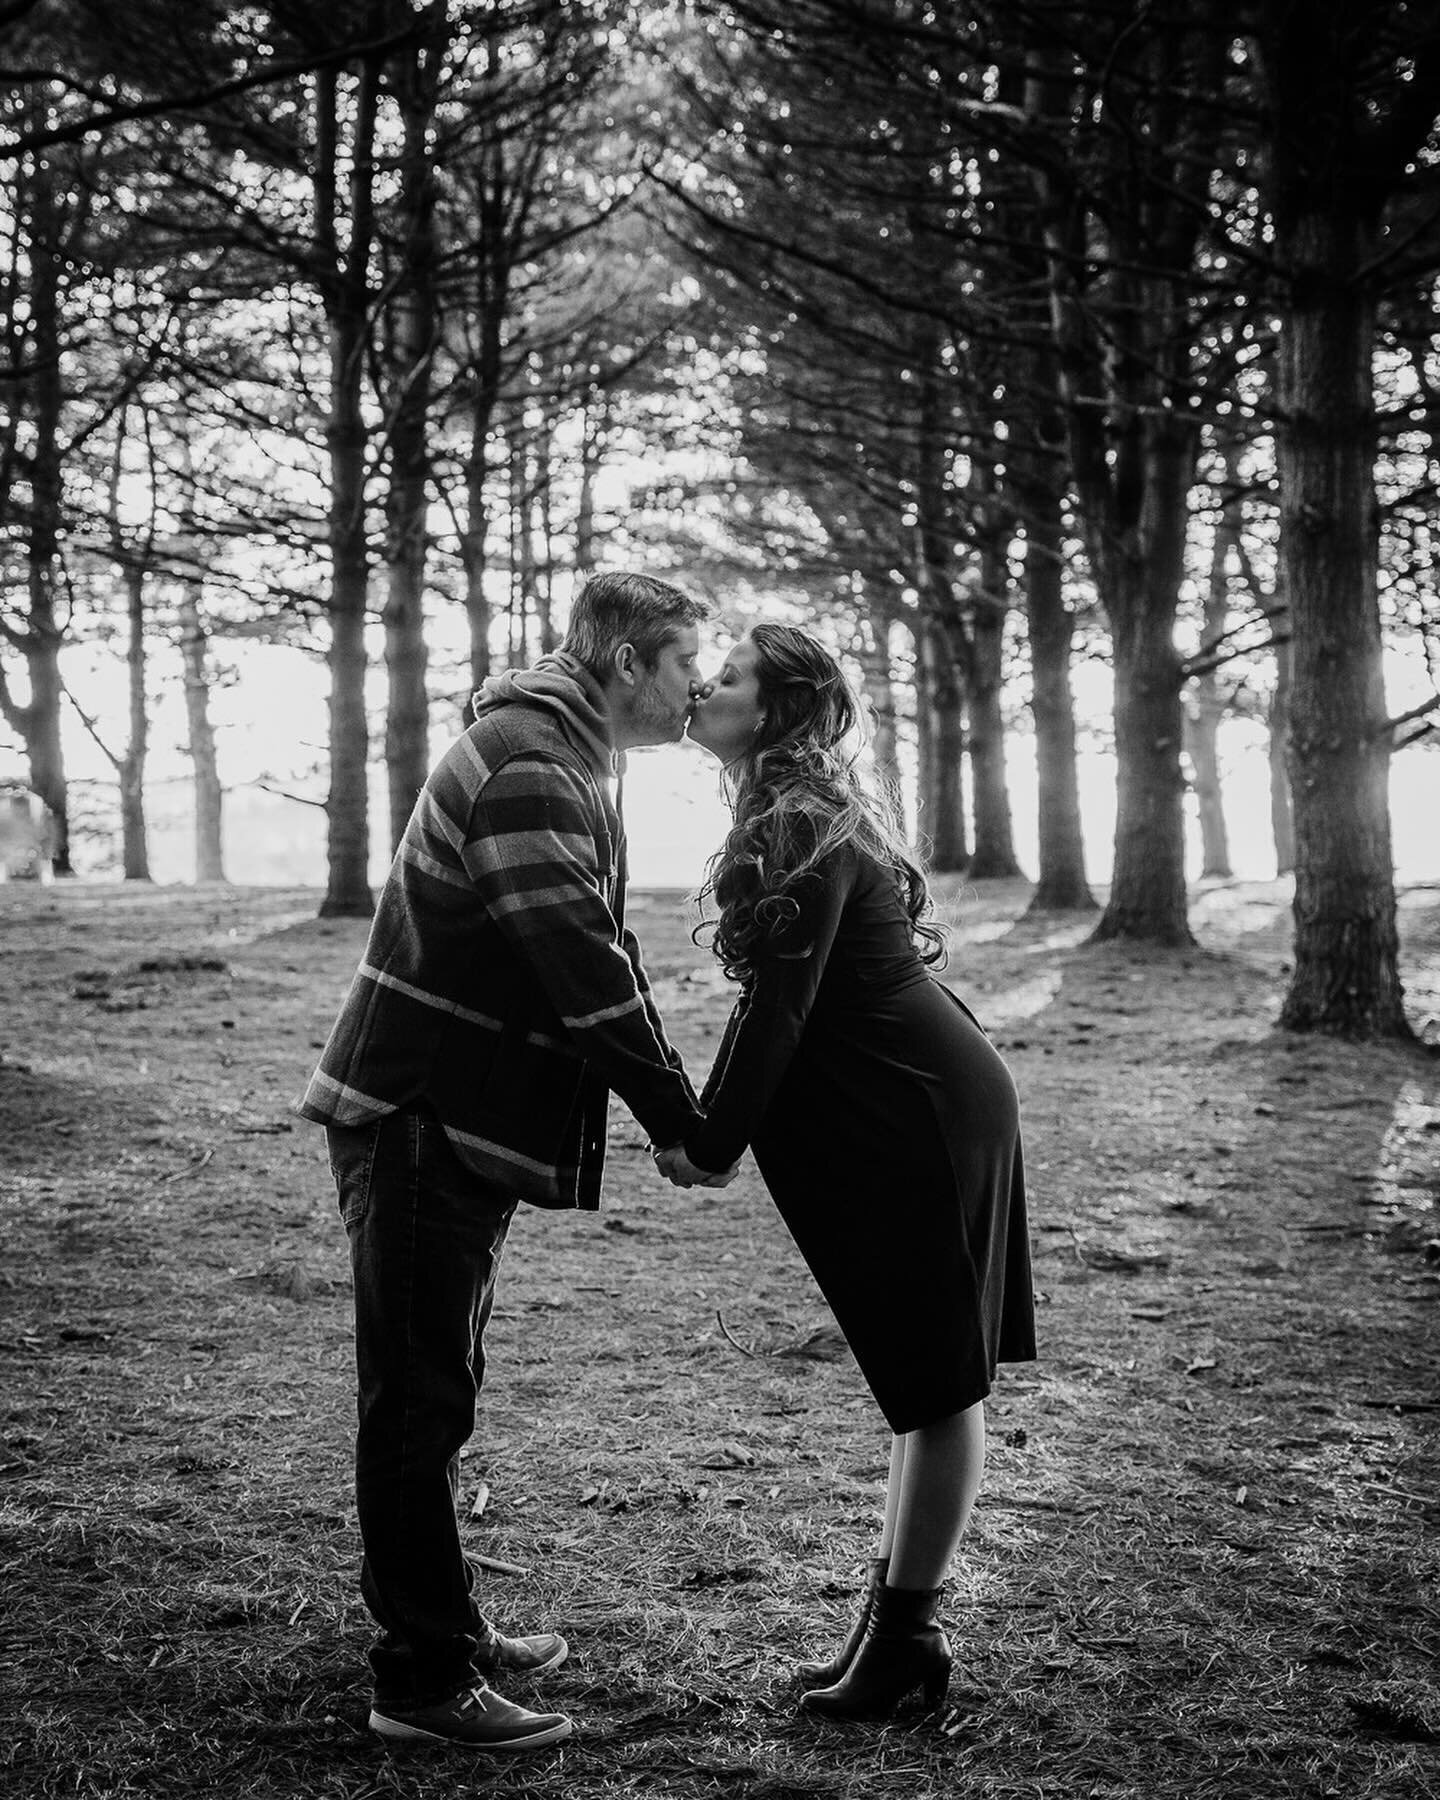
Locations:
(499, 999)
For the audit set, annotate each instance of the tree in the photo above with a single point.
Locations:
(1353, 94)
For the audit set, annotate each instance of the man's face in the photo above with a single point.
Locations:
(660, 700)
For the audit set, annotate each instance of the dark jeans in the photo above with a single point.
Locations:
(426, 1239)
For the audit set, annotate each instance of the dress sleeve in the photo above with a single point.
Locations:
(765, 1027)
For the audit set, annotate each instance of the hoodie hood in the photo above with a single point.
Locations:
(568, 691)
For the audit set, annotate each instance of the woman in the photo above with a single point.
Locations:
(882, 1120)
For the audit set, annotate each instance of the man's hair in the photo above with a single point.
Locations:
(611, 610)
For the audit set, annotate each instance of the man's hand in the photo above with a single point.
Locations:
(676, 1166)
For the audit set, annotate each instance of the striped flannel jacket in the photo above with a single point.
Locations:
(499, 983)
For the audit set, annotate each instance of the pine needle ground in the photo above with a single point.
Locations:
(1204, 1562)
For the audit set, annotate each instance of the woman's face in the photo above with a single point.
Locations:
(727, 711)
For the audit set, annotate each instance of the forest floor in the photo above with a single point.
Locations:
(1205, 1560)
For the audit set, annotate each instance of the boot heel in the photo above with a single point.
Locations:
(937, 1685)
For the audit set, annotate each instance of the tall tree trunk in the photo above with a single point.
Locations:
(878, 675)
(592, 454)
(414, 327)
(1346, 976)
(994, 855)
(345, 285)
(1282, 813)
(1345, 141)
(134, 847)
(940, 722)
(1139, 581)
(1205, 706)
(1122, 327)
(200, 741)
(525, 477)
(519, 595)
(941, 643)
(38, 720)
(1062, 884)
(542, 523)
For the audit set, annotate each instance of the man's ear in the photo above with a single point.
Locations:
(627, 664)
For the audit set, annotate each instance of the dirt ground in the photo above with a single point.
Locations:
(1205, 1560)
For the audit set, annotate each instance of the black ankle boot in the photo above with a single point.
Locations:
(903, 1649)
(826, 1674)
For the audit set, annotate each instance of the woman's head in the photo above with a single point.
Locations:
(779, 688)
(783, 719)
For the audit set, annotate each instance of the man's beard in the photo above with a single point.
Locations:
(655, 717)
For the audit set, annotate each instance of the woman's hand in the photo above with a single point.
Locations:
(676, 1166)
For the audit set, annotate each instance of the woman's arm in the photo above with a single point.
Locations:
(765, 1028)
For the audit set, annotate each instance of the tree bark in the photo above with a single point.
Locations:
(1341, 149)
(1205, 707)
(490, 302)
(1122, 323)
(994, 854)
(1346, 976)
(1062, 884)
(345, 286)
(37, 721)
(877, 670)
(1282, 813)
(592, 453)
(1147, 894)
(542, 523)
(414, 326)
(209, 795)
(134, 845)
(940, 735)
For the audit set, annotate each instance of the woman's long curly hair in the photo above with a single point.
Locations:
(798, 795)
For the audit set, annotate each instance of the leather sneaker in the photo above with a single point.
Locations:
(478, 1719)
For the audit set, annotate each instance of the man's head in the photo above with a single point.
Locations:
(638, 638)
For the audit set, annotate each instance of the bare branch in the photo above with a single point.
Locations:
(265, 76)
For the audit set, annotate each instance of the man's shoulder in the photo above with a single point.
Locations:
(511, 736)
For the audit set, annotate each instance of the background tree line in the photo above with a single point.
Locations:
(984, 340)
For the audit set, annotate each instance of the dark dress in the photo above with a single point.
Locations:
(887, 1130)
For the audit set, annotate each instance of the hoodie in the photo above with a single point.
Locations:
(500, 988)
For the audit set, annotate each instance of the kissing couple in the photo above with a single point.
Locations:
(500, 1000)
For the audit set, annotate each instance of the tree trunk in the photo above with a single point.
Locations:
(1346, 976)
(1147, 895)
(592, 453)
(542, 526)
(515, 612)
(525, 477)
(38, 721)
(1139, 581)
(1206, 708)
(1062, 884)
(134, 847)
(209, 796)
(475, 533)
(1122, 329)
(413, 336)
(878, 675)
(473, 560)
(346, 288)
(940, 722)
(1282, 814)
(994, 854)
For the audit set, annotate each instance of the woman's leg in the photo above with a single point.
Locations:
(934, 1478)
(935, 1475)
(893, 1485)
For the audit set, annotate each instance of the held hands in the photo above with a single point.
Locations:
(676, 1166)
